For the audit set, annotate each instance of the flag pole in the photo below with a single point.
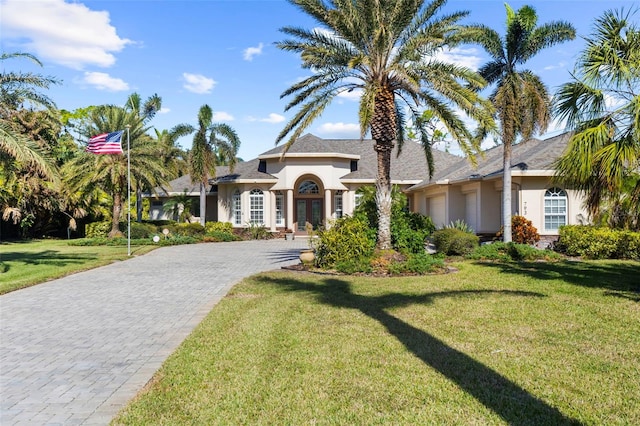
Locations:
(129, 188)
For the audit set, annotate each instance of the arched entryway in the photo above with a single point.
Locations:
(308, 202)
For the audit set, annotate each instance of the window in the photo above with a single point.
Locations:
(262, 166)
(555, 209)
(337, 202)
(279, 209)
(354, 165)
(256, 206)
(308, 187)
(237, 208)
(358, 199)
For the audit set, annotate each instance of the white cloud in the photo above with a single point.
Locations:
(197, 83)
(250, 52)
(353, 95)
(555, 67)
(469, 57)
(273, 118)
(164, 110)
(103, 81)
(340, 130)
(222, 116)
(69, 34)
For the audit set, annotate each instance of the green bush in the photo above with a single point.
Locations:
(220, 236)
(256, 231)
(97, 229)
(417, 263)
(409, 230)
(461, 225)
(452, 241)
(354, 265)
(348, 238)
(142, 230)
(511, 252)
(210, 227)
(598, 243)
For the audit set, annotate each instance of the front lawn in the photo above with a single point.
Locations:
(534, 343)
(30, 262)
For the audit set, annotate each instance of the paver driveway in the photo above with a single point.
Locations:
(75, 350)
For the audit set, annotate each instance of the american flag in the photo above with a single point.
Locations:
(106, 143)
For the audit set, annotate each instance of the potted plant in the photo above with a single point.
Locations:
(288, 234)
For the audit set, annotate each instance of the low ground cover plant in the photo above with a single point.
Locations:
(509, 252)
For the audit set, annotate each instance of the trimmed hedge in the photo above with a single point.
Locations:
(452, 241)
(598, 243)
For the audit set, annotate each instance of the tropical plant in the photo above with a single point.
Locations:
(211, 143)
(92, 174)
(602, 106)
(387, 50)
(179, 207)
(16, 90)
(521, 99)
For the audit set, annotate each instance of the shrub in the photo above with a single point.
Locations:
(354, 266)
(210, 227)
(511, 252)
(190, 229)
(417, 263)
(598, 243)
(97, 229)
(142, 230)
(219, 236)
(522, 231)
(348, 239)
(451, 241)
(256, 231)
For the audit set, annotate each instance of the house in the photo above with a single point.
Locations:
(462, 192)
(317, 179)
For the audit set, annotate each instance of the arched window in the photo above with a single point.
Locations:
(308, 187)
(256, 206)
(555, 209)
(236, 203)
(279, 208)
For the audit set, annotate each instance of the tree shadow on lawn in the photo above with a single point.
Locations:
(511, 402)
(45, 257)
(620, 279)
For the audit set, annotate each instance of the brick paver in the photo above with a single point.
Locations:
(77, 349)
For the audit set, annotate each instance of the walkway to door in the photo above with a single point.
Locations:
(77, 349)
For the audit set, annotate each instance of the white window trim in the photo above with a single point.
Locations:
(551, 194)
(236, 206)
(256, 206)
(279, 208)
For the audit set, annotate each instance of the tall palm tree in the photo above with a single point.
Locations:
(212, 143)
(386, 49)
(602, 105)
(521, 99)
(108, 173)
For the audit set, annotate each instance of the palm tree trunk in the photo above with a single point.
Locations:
(203, 203)
(383, 196)
(383, 131)
(115, 220)
(506, 193)
(138, 205)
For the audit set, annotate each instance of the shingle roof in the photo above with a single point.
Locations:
(410, 165)
(178, 186)
(534, 154)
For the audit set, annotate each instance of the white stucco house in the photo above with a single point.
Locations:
(317, 180)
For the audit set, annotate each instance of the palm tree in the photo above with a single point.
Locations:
(387, 50)
(108, 173)
(179, 207)
(521, 99)
(212, 142)
(602, 106)
(17, 90)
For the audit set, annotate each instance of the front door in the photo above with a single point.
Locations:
(308, 210)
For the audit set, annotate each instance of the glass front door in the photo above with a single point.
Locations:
(308, 210)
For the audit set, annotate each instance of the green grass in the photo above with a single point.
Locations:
(536, 343)
(26, 263)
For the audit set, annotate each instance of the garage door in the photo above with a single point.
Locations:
(437, 210)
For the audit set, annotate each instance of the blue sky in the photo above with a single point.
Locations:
(222, 53)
